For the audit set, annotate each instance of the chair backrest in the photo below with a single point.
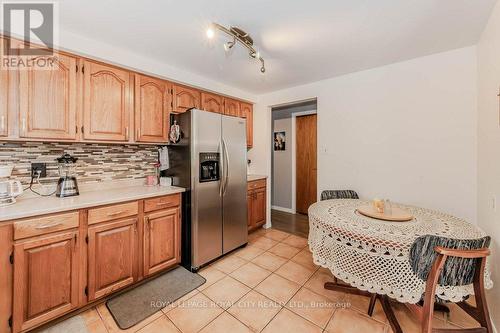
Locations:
(338, 194)
(456, 271)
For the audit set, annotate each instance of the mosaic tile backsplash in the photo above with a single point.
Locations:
(96, 162)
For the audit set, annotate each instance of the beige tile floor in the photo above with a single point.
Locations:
(272, 285)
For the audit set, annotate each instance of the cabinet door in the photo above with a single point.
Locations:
(259, 207)
(212, 102)
(45, 279)
(185, 98)
(247, 113)
(47, 100)
(250, 197)
(152, 109)
(4, 95)
(111, 257)
(161, 240)
(107, 102)
(231, 107)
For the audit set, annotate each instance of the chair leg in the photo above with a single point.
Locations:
(483, 314)
(371, 307)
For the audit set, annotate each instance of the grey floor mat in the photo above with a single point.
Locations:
(139, 303)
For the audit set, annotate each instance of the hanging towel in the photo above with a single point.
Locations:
(163, 156)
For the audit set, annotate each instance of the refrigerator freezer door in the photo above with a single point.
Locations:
(234, 199)
(206, 209)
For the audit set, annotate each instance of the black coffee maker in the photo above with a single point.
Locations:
(67, 185)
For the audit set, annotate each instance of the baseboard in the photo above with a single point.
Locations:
(283, 209)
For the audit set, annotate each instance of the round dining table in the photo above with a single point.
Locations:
(373, 255)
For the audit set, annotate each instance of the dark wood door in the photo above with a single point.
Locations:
(45, 279)
(111, 257)
(306, 162)
(161, 240)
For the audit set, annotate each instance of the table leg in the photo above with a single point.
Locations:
(384, 300)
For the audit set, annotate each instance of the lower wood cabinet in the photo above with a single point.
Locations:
(45, 279)
(161, 240)
(111, 256)
(95, 251)
(256, 200)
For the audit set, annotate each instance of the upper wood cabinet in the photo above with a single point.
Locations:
(107, 102)
(4, 96)
(161, 240)
(45, 279)
(211, 102)
(246, 111)
(231, 107)
(48, 100)
(185, 98)
(111, 256)
(152, 109)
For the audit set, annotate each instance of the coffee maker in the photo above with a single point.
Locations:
(67, 185)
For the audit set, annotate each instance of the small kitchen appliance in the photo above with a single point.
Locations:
(9, 189)
(67, 185)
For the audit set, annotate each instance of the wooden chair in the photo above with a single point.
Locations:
(448, 266)
(338, 194)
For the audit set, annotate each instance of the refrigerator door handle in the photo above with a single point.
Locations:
(222, 168)
(226, 167)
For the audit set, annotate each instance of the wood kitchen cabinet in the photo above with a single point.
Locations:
(111, 256)
(48, 99)
(161, 240)
(45, 279)
(231, 107)
(212, 102)
(246, 112)
(185, 98)
(152, 109)
(256, 200)
(4, 96)
(107, 102)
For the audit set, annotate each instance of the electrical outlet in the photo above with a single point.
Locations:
(39, 167)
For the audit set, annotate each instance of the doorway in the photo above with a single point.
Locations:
(291, 123)
(306, 162)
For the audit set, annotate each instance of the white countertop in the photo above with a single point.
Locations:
(251, 178)
(32, 206)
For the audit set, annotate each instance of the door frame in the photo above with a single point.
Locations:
(294, 153)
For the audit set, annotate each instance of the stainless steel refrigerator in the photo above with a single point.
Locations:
(210, 162)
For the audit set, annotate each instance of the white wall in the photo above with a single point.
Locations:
(405, 131)
(282, 169)
(488, 51)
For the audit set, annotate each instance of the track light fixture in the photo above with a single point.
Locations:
(240, 36)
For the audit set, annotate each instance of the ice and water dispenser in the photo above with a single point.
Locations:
(209, 167)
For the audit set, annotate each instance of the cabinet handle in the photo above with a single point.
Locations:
(118, 212)
(138, 133)
(47, 226)
(2, 123)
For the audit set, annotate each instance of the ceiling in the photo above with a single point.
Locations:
(301, 41)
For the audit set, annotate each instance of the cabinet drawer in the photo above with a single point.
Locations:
(108, 213)
(256, 184)
(162, 202)
(44, 225)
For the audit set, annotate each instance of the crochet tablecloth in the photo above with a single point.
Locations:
(373, 255)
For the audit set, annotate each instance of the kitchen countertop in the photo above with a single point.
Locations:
(32, 206)
(251, 178)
